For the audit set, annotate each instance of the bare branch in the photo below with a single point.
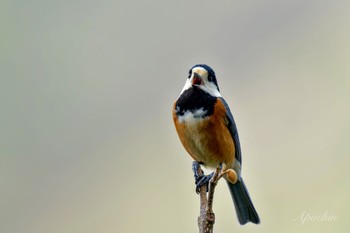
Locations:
(206, 219)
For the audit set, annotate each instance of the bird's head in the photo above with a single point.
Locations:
(202, 77)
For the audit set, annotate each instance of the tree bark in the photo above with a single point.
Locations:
(206, 218)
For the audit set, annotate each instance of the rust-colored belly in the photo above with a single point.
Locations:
(208, 139)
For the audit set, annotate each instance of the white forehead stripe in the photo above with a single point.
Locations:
(201, 71)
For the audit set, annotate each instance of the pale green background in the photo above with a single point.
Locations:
(87, 140)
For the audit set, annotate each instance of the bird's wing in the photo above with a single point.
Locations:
(233, 131)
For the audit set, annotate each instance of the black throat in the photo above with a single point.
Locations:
(194, 99)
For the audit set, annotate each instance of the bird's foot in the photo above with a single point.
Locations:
(203, 180)
(199, 177)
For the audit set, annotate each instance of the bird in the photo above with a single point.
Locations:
(208, 132)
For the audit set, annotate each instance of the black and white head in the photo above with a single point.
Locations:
(203, 77)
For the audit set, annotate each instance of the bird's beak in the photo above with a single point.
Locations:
(196, 80)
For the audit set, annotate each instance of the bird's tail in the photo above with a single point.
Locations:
(244, 207)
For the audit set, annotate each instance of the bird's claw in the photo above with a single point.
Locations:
(199, 178)
(203, 180)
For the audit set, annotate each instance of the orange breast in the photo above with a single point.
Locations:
(208, 139)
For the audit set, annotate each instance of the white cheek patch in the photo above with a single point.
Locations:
(210, 88)
(187, 86)
(192, 117)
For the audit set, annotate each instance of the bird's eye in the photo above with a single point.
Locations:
(210, 78)
(189, 74)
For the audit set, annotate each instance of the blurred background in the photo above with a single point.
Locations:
(87, 142)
